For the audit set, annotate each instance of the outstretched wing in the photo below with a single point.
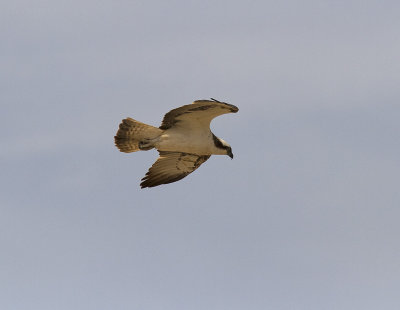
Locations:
(196, 115)
(171, 167)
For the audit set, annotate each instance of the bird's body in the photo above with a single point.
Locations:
(193, 142)
(184, 140)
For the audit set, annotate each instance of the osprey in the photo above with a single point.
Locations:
(184, 140)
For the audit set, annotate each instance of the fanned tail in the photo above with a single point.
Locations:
(134, 136)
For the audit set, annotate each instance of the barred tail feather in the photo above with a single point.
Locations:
(132, 132)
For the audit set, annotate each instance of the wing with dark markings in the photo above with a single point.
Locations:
(196, 115)
(171, 167)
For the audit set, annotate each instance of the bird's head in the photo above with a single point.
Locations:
(224, 147)
(229, 152)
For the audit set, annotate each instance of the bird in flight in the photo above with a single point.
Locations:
(184, 140)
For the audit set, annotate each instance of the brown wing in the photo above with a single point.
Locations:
(198, 114)
(171, 167)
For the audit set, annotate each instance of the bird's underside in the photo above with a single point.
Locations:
(184, 140)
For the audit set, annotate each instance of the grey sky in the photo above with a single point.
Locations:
(305, 216)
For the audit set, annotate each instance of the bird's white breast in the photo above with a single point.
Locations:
(193, 142)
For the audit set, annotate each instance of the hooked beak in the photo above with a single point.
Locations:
(230, 154)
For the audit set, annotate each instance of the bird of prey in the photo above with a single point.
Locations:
(184, 140)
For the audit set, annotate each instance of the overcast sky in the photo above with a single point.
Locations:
(306, 216)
